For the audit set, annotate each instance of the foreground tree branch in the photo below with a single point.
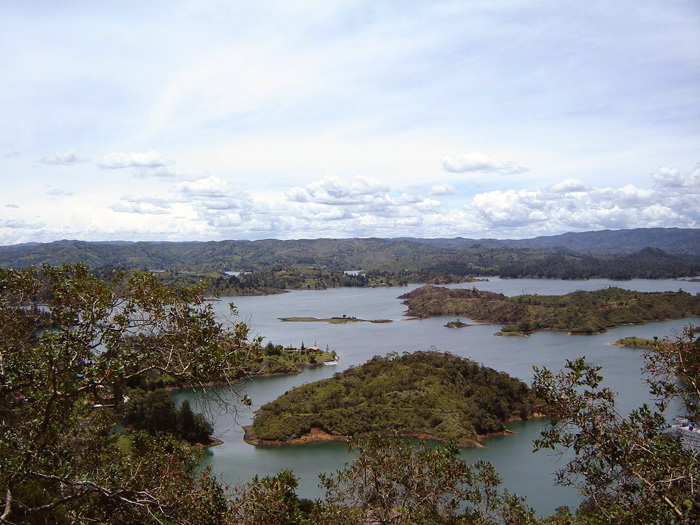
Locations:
(70, 345)
(629, 469)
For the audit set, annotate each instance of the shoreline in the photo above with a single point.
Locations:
(318, 435)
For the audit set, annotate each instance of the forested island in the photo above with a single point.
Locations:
(577, 313)
(635, 342)
(430, 395)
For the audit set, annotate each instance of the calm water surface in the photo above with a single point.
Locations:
(524, 472)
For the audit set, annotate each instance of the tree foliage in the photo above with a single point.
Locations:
(394, 481)
(70, 344)
(629, 468)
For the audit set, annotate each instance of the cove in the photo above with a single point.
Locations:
(523, 472)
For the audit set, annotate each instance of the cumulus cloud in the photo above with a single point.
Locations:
(19, 224)
(119, 160)
(571, 205)
(442, 189)
(142, 205)
(58, 192)
(474, 162)
(666, 177)
(358, 206)
(334, 191)
(63, 159)
(569, 186)
(211, 207)
(211, 186)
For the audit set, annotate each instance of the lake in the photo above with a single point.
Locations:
(524, 472)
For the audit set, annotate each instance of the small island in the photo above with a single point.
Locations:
(429, 395)
(576, 312)
(332, 320)
(635, 342)
(277, 360)
(457, 323)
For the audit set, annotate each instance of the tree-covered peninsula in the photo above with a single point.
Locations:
(430, 395)
(577, 312)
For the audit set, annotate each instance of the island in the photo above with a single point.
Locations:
(457, 323)
(428, 395)
(332, 320)
(576, 313)
(277, 360)
(635, 342)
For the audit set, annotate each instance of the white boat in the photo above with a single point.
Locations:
(688, 433)
(332, 363)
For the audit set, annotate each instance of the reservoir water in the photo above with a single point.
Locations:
(524, 472)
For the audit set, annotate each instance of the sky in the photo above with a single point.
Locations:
(213, 119)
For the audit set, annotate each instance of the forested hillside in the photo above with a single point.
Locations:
(667, 254)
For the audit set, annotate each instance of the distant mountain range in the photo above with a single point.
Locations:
(605, 242)
(592, 253)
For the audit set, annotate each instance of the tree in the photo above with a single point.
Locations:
(69, 345)
(271, 500)
(393, 481)
(629, 469)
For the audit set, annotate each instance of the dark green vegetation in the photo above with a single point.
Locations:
(424, 394)
(457, 323)
(64, 370)
(649, 263)
(263, 282)
(317, 264)
(155, 412)
(635, 342)
(577, 312)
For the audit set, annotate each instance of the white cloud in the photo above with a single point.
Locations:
(211, 186)
(142, 205)
(569, 186)
(673, 178)
(573, 206)
(63, 159)
(337, 192)
(442, 189)
(118, 160)
(160, 172)
(58, 192)
(142, 208)
(475, 162)
(19, 224)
